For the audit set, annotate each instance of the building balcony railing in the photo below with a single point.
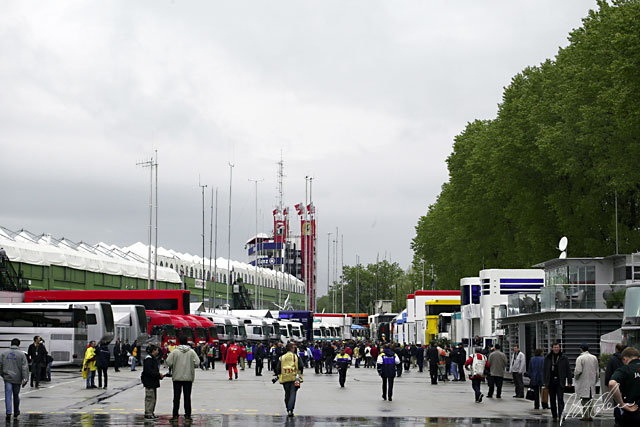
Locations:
(523, 303)
(580, 297)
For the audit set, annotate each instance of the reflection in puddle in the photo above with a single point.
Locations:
(90, 420)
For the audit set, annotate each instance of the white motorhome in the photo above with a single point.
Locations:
(255, 330)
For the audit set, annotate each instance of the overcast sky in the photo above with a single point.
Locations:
(365, 96)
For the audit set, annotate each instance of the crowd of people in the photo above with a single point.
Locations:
(550, 376)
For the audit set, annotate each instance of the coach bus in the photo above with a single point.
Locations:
(171, 301)
(131, 323)
(62, 326)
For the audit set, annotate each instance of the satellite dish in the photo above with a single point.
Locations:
(563, 255)
(562, 245)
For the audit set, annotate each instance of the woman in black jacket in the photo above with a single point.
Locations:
(151, 377)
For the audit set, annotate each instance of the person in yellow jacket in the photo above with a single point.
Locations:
(89, 365)
(289, 369)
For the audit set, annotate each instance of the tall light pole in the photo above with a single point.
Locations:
(203, 267)
(342, 270)
(423, 275)
(215, 253)
(255, 247)
(306, 240)
(328, 268)
(212, 289)
(155, 273)
(358, 286)
(229, 234)
(149, 164)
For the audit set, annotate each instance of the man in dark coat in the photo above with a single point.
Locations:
(258, 355)
(150, 377)
(461, 356)
(103, 355)
(434, 359)
(37, 355)
(615, 362)
(557, 373)
(420, 357)
(126, 350)
(117, 355)
(279, 351)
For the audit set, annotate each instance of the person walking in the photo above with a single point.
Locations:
(386, 366)
(258, 354)
(317, 359)
(231, 361)
(536, 376)
(151, 377)
(89, 365)
(211, 357)
(356, 356)
(367, 357)
(420, 357)
(14, 369)
(615, 362)
(48, 363)
(134, 355)
(518, 368)
(447, 361)
(398, 351)
(126, 353)
(242, 356)
(475, 365)
(497, 364)
(103, 355)
(462, 358)
(278, 351)
(37, 355)
(434, 358)
(557, 374)
(414, 355)
(454, 355)
(586, 374)
(328, 358)
(117, 355)
(250, 350)
(375, 352)
(342, 361)
(289, 369)
(183, 362)
(625, 388)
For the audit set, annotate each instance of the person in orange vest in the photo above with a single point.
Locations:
(231, 360)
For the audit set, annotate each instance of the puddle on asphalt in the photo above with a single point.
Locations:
(89, 420)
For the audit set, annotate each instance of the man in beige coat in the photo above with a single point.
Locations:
(183, 362)
(497, 364)
(586, 375)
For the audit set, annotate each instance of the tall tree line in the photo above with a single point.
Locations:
(564, 146)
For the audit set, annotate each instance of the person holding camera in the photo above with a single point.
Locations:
(289, 368)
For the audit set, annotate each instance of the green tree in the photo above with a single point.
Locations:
(564, 144)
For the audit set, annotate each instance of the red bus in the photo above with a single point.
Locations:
(161, 328)
(172, 301)
(210, 327)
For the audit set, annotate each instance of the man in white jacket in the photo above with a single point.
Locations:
(518, 368)
(586, 375)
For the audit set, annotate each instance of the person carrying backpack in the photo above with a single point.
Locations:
(475, 367)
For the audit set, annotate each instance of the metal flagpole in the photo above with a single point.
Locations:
(328, 268)
(202, 276)
(342, 269)
(155, 274)
(212, 288)
(229, 233)
(149, 164)
(255, 247)
(215, 253)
